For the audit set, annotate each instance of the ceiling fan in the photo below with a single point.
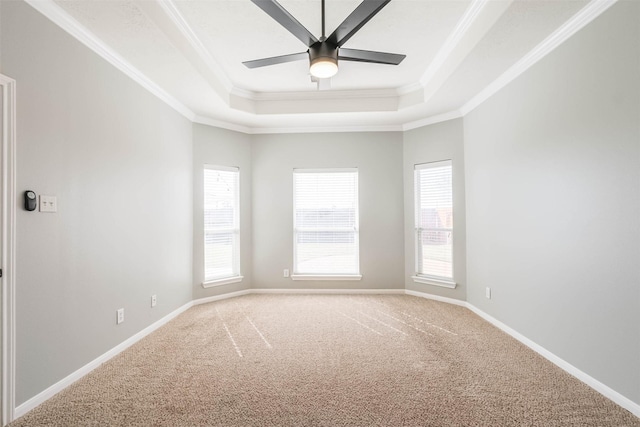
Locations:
(323, 54)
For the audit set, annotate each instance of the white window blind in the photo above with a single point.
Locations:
(221, 222)
(434, 220)
(326, 222)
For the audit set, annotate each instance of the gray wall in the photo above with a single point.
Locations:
(119, 160)
(442, 141)
(214, 146)
(378, 157)
(553, 201)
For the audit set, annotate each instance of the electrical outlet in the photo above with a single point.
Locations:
(153, 300)
(120, 316)
(487, 293)
(286, 272)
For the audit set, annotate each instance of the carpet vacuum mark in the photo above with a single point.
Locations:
(328, 360)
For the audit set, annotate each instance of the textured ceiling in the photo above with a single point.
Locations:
(192, 51)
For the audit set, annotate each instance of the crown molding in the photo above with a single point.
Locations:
(294, 129)
(170, 8)
(316, 95)
(406, 89)
(469, 17)
(478, 21)
(325, 129)
(587, 14)
(302, 104)
(65, 21)
(325, 95)
(431, 120)
(222, 124)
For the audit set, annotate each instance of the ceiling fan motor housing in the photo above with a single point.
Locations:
(323, 59)
(323, 51)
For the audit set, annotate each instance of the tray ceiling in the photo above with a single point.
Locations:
(190, 53)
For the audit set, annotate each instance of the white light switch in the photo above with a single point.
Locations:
(48, 203)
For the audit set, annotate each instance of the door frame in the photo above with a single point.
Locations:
(8, 202)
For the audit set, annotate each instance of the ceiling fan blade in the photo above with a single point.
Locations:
(370, 56)
(284, 18)
(276, 60)
(360, 16)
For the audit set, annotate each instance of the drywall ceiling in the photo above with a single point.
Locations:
(190, 54)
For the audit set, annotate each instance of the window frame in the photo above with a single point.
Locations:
(327, 276)
(419, 277)
(235, 231)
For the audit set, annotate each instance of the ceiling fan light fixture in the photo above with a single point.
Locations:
(324, 68)
(323, 60)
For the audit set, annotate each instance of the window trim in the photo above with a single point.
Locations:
(236, 275)
(426, 280)
(429, 279)
(326, 277)
(356, 230)
(220, 282)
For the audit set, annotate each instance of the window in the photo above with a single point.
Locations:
(221, 225)
(434, 223)
(325, 229)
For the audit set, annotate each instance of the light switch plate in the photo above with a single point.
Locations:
(48, 203)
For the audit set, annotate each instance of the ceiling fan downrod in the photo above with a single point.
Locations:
(323, 38)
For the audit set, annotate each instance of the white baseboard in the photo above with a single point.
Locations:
(221, 297)
(330, 291)
(606, 391)
(75, 376)
(436, 298)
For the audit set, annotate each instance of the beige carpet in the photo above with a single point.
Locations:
(328, 360)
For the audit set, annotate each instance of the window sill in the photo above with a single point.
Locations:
(220, 282)
(434, 282)
(326, 277)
